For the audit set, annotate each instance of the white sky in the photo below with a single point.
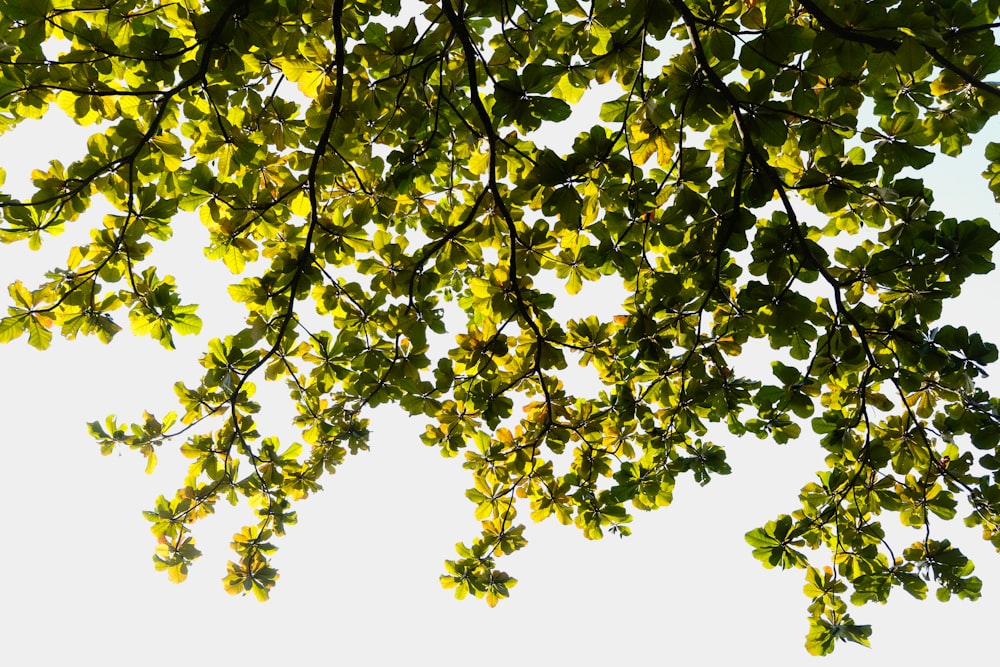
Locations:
(359, 573)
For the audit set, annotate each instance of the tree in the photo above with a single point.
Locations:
(380, 184)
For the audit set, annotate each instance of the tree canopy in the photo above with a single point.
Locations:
(389, 187)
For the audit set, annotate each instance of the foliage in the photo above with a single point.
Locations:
(375, 179)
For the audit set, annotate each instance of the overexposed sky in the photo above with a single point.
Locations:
(359, 573)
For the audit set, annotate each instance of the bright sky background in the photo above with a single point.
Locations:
(359, 573)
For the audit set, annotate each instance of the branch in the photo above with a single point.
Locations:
(493, 140)
(963, 73)
(849, 34)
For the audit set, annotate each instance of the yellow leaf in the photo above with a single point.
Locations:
(566, 91)
(308, 76)
(664, 150)
(150, 462)
(177, 573)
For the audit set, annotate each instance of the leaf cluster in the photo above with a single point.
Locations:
(379, 183)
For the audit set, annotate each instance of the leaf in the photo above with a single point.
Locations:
(309, 76)
(11, 328)
(39, 333)
(911, 55)
(150, 467)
